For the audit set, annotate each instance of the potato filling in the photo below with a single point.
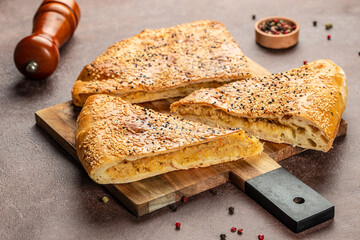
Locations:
(229, 148)
(280, 130)
(143, 96)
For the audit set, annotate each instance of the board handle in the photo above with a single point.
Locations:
(291, 201)
(37, 56)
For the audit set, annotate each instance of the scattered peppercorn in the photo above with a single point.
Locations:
(328, 37)
(253, 16)
(105, 199)
(305, 62)
(213, 192)
(328, 26)
(233, 229)
(240, 230)
(177, 225)
(173, 208)
(231, 210)
(276, 27)
(261, 237)
(222, 236)
(314, 23)
(359, 53)
(184, 199)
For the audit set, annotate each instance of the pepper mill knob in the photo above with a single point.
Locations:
(37, 56)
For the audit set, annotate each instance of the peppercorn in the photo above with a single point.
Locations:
(276, 27)
(359, 53)
(253, 16)
(214, 192)
(105, 199)
(329, 37)
(177, 225)
(231, 210)
(233, 229)
(314, 23)
(305, 62)
(222, 236)
(240, 230)
(184, 199)
(261, 237)
(173, 208)
(328, 26)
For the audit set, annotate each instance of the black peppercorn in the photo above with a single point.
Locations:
(314, 23)
(231, 210)
(222, 236)
(173, 208)
(213, 192)
(253, 16)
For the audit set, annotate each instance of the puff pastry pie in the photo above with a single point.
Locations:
(301, 107)
(164, 63)
(118, 142)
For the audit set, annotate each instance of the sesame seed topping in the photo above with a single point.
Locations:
(163, 59)
(310, 93)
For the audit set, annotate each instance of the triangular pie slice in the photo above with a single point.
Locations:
(118, 142)
(301, 107)
(164, 63)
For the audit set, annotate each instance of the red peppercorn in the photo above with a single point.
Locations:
(178, 225)
(328, 37)
(233, 229)
(286, 32)
(184, 199)
(293, 26)
(261, 237)
(305, 62)
(240, 230)
(276, 33)
(275, 20)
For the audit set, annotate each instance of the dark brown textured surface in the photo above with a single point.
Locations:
(45, 195)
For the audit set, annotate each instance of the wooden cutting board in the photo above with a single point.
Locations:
(148, 195)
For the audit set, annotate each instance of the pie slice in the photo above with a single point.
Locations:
(164, 63)
(301, 107)
(118, 142)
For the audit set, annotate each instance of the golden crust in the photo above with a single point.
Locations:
(111, 130)
(315, 93)
(168, 58)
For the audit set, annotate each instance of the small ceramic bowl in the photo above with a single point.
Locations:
(277, 41)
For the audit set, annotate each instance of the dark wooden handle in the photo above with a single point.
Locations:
(37, 56)
(291, 201)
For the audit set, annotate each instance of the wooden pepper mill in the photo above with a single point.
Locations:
(37, 56)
